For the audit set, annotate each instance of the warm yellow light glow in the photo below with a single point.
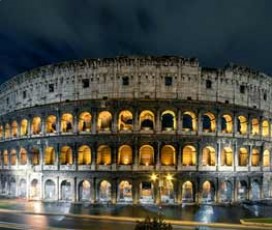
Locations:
(154, 177)
(169, 177)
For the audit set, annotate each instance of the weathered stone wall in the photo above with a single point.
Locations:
(146, 79)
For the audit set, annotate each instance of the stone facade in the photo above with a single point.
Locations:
(148, 130)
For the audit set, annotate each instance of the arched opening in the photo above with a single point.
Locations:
(166, 187)
(66, 190)
(85, 122)
(66, 155)
(23, 128)
(255, 158)
(146, 192)
(7, 131)
(266, 158)
(103, 155)
(104, 121)
(36, 126)
(168, 155)
(225, 191)
(255, 190)
(242, 125)
(49, 190)
(22, 188)
(242, 190)
(49, 156)
(84, 156)
(84, 191)
(168, 119)
(4, 185)
(5, 157)
(125, 191)
(125, 120)
(208, 192)
(146, 155)
(189, 156)
(125, 155)
(226, 124)
(66, 125)
(187, 192)
(34, 189)
(51, 124)
(189, 121)
(23, 156)
(147, 120)
(14, 129)
(12, 187)
(226, 156)
(243, 157)
(13, 157)
(35, 158)
(208, 122)
(208, 156)
(255, 126)
(105, 191)
(265, 128)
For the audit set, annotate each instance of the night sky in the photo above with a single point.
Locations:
(40, 32)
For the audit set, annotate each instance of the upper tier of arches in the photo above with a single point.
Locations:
(143, 121)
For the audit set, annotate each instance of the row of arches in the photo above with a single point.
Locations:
(168, 156)
(126, 122)
(147, 191)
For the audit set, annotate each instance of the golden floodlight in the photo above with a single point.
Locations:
(154, 177)
(169, 177)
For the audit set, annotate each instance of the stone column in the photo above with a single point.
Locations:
(57, 155)
(250, 156)
(158, 156)
(199, 157)
(114, 156)
(114, 125)
(41, 155)
(235, 156)
(158, 125)
(218, 129)
(198, 188)
(58, 123)
(179, 158)
(199, 124)
(136, 154)
(93, 155)
(92, 190)
(135, 191)
(75, 121)
(43, 122)
(74, 150)
(136, 122)
(218, 155)
(249, 126)
(94, 122)
(29, 121)
(74, 189)
(114, 188)
(179, 122)
(234, 123)
(260, 119)
(235, 191)
(217, 190)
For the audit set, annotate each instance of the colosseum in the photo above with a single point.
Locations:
(136, 130)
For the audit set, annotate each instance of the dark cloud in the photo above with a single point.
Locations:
(34, 33)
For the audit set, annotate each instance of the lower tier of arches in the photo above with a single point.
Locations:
(141, 187)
